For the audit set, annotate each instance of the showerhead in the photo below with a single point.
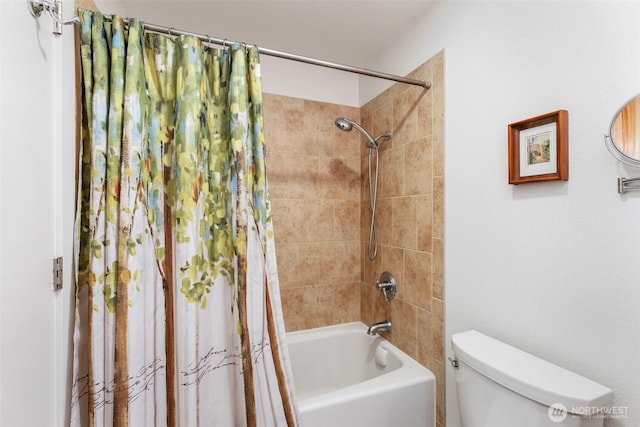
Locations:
(344, 124)
(347, 124)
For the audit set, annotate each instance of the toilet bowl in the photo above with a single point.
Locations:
(501, 386)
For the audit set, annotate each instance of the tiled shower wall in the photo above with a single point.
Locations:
(314, 183)
(321, 214)
(409, 218)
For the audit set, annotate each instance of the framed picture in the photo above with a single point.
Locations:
(539, 149)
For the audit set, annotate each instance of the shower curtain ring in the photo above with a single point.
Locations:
(224, 43)
(170, 31)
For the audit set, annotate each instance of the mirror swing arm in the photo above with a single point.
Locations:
(628, 184)
(624, 184)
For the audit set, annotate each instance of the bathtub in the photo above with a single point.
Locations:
(344, 377)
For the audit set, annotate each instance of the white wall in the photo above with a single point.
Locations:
(299, 80)
(36, 212)
(551, 268)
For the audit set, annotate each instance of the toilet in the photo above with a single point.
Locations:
(501, 386)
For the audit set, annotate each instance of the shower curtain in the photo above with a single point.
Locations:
(178, 315)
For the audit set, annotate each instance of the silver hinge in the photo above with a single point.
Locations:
(57, 273)
(454, 362)
(57, 13)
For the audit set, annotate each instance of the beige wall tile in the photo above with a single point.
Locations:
(346, 303)
(438, 145)
(417, 279)
(347, 144)
(317, 306)
(381, 309)
(392, 261)
(438, 329)
(382, 117)
(366, 303)
(292, 300)
(438, 207)
(365, 222)
(298, 264)
(425, 115)
(424, 98)
(288, 219)
(282, 118)
(404, 222)
(338, 178)
(346, 219)
(384, 226)
(366, 117)
(318, 220)
(320, 133)
(365, 192)
(438, 269)
(424, 325)
(392, 162)
(403, 321)
(340, 262)
(424, 219)
(405, 117)
(418, 167)
(372, 269)
(438, 84)
(292, 176)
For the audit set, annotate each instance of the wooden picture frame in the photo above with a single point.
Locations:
(539, 149)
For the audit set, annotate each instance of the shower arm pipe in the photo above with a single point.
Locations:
(54, 8)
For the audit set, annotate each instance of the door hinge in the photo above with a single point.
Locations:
(57, 273)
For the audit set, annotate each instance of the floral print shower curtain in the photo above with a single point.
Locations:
(178, 315)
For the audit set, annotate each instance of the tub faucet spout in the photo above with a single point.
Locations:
(385, 325)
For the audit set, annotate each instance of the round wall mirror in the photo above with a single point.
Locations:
(624, 134)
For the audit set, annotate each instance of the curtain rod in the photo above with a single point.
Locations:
(55, 10)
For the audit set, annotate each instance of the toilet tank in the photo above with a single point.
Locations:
(501, 386)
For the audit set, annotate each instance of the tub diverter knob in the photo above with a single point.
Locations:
(387, 284)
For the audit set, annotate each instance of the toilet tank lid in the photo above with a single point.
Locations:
(529, 375)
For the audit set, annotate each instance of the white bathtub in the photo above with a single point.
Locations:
(344, 377)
